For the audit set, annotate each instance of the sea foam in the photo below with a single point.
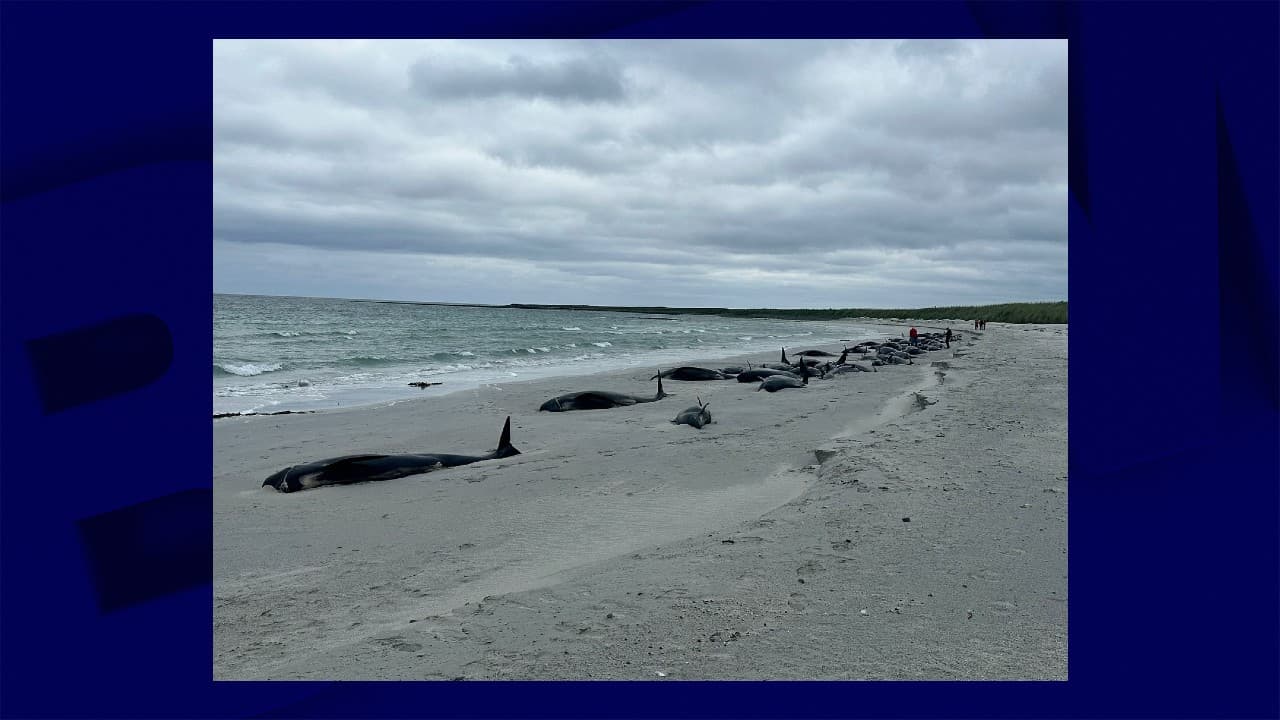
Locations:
(249, 369)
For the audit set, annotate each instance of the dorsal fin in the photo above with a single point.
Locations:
(504, 441)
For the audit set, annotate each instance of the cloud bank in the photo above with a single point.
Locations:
(681, 173)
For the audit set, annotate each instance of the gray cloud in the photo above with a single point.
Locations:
(730, 173)
(595, 79)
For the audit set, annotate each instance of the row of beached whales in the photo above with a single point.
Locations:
(771, 376)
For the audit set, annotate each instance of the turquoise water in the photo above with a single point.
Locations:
(290, 353)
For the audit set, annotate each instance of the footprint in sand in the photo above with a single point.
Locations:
(797, 601)
(809, 568)
(1002, 607)
(397, 643)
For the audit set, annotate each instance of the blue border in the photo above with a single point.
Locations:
(105, 178)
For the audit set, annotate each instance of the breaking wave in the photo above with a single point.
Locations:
(245, 369)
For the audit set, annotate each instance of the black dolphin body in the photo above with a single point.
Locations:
(850, 368)
(758, 374)
(692, 373)
(774, 383)
(597, 400)
(365, 468)
(695, 416)
(801, 362)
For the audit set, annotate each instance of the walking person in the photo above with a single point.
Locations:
(975, 323)
(914, 337)
(947, 337)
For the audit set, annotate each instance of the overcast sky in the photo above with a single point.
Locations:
(757, 173)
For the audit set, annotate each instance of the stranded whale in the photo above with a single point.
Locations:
(363, 468)
(597, 400)
(695, 416)
(692, 373)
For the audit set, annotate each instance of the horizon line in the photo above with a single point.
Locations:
(523, 305)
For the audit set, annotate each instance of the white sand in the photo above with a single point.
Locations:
(619, 545)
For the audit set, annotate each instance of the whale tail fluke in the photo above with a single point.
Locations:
(505, 448)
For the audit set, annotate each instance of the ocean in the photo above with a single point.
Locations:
(291, 353)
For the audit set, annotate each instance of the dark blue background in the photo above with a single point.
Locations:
(106, 146)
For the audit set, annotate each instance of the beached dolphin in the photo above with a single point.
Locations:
(774, 383)
(598, 400)
(363, 468)
(695, 416)
(850, 367)
(798, 363)
(758, 374)
(692, 373)
(816, 353)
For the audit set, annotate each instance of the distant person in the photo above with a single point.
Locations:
(915, 339)
(947, 337)
(975, 323)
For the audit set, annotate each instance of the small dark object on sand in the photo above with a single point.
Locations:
(281, 412)
(424, 384)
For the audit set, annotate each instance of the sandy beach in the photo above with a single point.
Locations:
(904, 524)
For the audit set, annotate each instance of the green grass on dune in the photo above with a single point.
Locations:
(1029, 312)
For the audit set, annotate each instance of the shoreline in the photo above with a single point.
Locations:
(383, 395)
(728, 548)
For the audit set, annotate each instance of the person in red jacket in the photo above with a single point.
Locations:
(914, 339)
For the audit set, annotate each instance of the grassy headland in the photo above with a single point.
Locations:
(1030, 312)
